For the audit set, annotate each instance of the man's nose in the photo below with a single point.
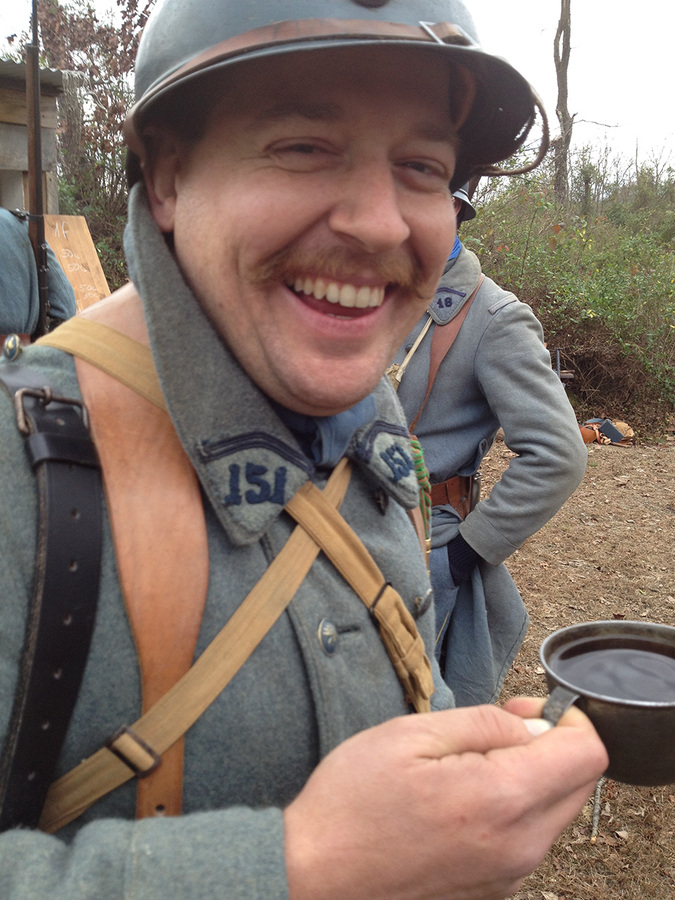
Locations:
(368, 210)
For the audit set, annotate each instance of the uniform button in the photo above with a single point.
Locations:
(12, 348)
(422, 604)
(328, 637)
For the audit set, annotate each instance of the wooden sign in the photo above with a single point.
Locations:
(71, 242)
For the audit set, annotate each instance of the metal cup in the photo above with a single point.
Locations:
(639, 734)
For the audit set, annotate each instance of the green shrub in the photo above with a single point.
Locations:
(602, 282)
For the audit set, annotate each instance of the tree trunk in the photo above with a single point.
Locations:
(71, 124)
(561, 146)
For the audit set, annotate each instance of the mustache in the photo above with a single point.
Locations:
(342, 264)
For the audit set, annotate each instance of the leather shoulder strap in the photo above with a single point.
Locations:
(62, 609)
(138, 749)
(156, 516)
(441, 342)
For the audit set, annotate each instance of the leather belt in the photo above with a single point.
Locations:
(61, 617)
(457, 492)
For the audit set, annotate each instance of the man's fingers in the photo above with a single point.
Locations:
(525, 707)
(566, 759)
(480, 729)
(488, 796)
(475, 729)
(537, 726)
(532, 707)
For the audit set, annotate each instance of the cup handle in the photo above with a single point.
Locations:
(558, 703)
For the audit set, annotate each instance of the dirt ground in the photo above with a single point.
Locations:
(609, 553)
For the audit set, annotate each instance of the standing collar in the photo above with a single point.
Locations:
(247, 459)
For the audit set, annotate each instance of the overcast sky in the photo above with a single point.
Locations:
(620, 74)
(620, 71)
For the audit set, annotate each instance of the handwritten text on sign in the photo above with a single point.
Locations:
(71, 242)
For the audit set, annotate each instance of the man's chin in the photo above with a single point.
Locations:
(325, 403)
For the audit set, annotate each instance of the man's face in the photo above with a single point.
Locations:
(314, 218)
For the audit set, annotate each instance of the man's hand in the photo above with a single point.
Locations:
(458, 805)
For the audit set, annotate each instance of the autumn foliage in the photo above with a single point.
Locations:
(96, 56)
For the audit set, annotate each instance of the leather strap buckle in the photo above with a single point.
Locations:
(456, 492)
(46, 396)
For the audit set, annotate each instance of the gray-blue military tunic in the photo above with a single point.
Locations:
(497, 373)
(320, 675)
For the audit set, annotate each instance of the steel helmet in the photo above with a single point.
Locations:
(185, 39)
(468, 210)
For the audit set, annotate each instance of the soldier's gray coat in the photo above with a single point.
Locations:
(19, 289)
(295, 699)
(497, 373)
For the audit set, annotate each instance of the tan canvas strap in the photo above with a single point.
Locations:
(351, 558)
(138, 750)
(153, 529)
(441, 342)
(180, 708)
(120, 356)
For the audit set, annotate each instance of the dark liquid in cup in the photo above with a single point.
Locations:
(630, 670)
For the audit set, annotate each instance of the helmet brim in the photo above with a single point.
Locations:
(491, 130)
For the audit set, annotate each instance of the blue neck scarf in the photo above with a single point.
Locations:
(456, 247)
(324, 439)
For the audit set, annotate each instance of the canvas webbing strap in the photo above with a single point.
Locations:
(146, 740)
(139, 453)
(140, 747)
(396, 372)
(120, 356)
(350, 557)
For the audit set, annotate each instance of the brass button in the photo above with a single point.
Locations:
(328, 637)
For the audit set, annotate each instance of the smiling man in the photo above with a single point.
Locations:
(315, 233)
(290, 214)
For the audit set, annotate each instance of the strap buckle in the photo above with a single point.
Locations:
(46, 396)
(134, 752)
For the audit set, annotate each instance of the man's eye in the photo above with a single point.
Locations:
(301, 148)
(304, 148)
(425, 175)
(427, 168)
(302, 156)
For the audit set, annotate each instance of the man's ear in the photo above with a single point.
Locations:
(160, 172)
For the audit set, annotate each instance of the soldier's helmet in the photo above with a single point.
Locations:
(185, 40)
(468, 210)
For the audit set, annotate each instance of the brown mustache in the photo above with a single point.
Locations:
(341, 264)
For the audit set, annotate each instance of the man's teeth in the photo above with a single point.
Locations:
(347, 295)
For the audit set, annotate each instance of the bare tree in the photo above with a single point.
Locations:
(561, 145)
